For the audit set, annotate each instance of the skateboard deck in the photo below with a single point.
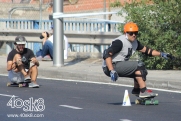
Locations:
(147, 101)
(21, 84)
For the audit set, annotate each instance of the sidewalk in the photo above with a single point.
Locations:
(91, 70)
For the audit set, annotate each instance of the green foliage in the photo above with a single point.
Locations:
(116, 3)
(159, 23)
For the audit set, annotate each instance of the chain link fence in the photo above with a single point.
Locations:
(41, 9)
(25, 9)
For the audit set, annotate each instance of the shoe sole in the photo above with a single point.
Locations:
(34, 87)
(149, 96)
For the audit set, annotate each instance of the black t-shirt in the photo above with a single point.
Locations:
(27, 54)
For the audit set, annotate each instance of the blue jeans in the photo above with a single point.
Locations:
(46, 50)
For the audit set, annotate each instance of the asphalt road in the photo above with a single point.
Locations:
(58, 100)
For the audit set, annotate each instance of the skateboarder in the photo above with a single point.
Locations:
(18, 63)
(116, 56)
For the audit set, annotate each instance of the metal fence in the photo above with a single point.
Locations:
(75, 26)
(92, 26)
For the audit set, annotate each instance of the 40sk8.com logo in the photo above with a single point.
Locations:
(36, 105)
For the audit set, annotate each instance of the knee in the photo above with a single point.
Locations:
(17, 56)
(141, 71)
(34, 68)
(48, 43)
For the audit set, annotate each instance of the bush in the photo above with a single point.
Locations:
(159, 23)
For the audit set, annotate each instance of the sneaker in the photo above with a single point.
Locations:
(147, 93)
(39, 58)
(27, 79)
(135, 91)
(33, 85)
(46, 58)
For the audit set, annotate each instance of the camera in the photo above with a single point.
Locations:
(41, 36)
(24, 60)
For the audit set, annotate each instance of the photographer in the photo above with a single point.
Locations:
(47, 48)
(46, 52)
(18, 64)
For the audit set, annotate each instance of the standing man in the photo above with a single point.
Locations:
(116, 64)
(18, 63)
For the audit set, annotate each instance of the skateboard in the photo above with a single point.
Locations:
(21, 84)
(147, 101)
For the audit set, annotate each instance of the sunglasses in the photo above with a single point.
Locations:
(131, 33)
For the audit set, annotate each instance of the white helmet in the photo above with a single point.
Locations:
(20, 40)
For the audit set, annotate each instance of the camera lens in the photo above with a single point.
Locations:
(41, 37)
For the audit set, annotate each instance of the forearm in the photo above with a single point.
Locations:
(12, 66)
(155, 53)
(150, 52)
(24, 72)
(109, 63)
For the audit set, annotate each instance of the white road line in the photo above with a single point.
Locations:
(115, 84)
(125, 120)
(111, 83)
(8, 95)
(68, 106)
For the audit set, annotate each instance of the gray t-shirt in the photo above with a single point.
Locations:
(127, 50)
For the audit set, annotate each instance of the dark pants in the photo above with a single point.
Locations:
(123, 68)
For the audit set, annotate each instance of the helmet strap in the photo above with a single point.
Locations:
(126, 35)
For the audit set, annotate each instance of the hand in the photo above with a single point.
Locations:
(114, 75)
(18, 61)
(166, 55)
(33, 60)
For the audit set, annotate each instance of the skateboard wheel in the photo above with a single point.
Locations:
(20, 85)
(8, 84)
(147, 102)
(156, 102)
(137, 101)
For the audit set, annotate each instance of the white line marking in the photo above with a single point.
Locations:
(3, 75)
(111, 83)
(114, 84)
(8, 95)
(125, 120)
(68, 106)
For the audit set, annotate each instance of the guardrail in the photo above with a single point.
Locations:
(94, 42)
(83, 36)
(92, 25)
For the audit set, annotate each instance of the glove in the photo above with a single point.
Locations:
(166, 55)
(114, 75)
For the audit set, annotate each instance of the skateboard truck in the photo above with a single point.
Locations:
(21, 84)
(147, 101)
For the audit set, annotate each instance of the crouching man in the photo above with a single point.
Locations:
(18, 64)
